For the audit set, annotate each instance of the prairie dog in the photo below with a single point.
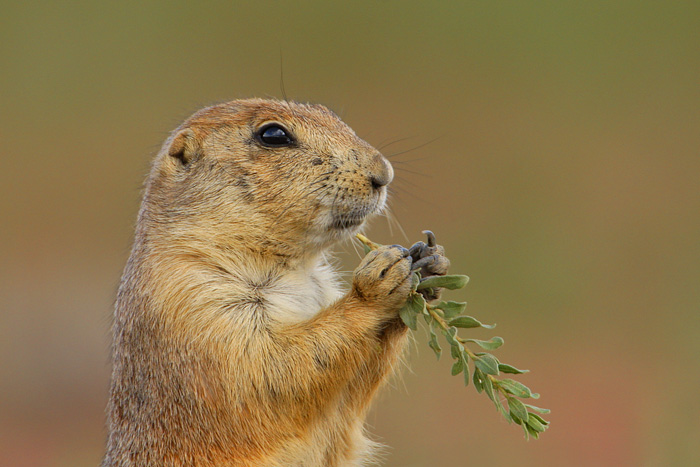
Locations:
(233, 343)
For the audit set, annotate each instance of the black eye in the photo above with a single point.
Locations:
(273, 135)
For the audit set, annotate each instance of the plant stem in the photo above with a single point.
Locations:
(366, 241)
(443, 324)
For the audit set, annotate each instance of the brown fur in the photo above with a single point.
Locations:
(232, 343)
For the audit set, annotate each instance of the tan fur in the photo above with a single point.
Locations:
(233, 345)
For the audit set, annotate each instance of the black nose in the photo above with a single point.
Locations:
(378, 181)
(382, 173)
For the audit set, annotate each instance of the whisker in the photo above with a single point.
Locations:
(400, 191)
(318, 188)
(407, 181)
(414, 160)
(403, 169)
(325, 174)
(385, 215)
(391, 217)
(319, 180)
(414, 148)
(355, 247)
(384, 146)
(284, 93)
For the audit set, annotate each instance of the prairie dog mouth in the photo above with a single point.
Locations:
(350, 212)
(354, 218)
(345, 222)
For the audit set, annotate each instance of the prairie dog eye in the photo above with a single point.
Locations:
(274, 135)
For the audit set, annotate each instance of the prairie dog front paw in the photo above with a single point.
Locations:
(429, 259)
(384, 276)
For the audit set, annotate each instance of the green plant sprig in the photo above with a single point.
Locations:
(445, 318)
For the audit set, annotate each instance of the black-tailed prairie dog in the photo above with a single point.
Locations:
(234, 344)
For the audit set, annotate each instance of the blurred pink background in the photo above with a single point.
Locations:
(564, 180)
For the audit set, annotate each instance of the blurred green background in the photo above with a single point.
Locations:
(565, 180)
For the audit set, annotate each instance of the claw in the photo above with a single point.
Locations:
(431, 238)
(416, 249)
(424, 262)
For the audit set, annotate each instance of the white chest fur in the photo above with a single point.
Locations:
(300, 294)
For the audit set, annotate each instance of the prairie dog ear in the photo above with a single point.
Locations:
(184, 146)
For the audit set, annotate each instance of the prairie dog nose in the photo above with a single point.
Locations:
(382, 173)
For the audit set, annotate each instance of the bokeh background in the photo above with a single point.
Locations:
(554, 147)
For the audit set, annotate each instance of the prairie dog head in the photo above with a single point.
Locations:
(279, 173)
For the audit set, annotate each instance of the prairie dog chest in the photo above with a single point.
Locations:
(299, 295)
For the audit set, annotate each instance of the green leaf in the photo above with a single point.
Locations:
(516, 388)
(449, 282)
(366, 248)
(535, 421)
(457, 367)
(517, 409)
(409, 318)
(516, 420)
(418, 303)
(494, 395)
(531, 431)
(478, 380)
(412, 308)
(408, 315)
(499, 404)
(542, 420)
(433, 343)
(415, 278)
(469, 322)
(504, 412)
(488, 364)
(491, 344)
(511, 369)
(465, 366)
(451, 337)
(455, 350)
(451, 309)
(537, 409)
(465, 322)
(488, 388)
